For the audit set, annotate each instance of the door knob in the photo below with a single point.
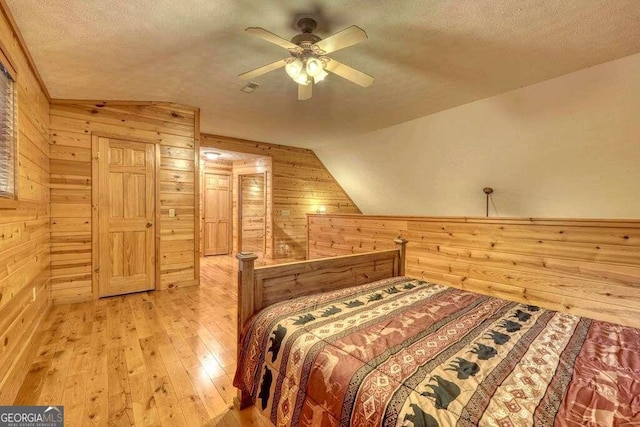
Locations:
(149, 224)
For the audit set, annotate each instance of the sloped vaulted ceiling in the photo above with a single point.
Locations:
(426, 56)
(563, 148)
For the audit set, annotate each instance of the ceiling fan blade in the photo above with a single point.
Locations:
(305, 91)
(345, 38)
(351, 74)
(264, 69)
(270, 37)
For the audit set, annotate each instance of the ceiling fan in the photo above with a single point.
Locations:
(308, 63)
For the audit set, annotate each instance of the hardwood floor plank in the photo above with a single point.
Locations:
(154, 365)
(54, 381)
(139, 306)
(143, 401)
(32, 385)
(73, 399)
(97, 397)
(133, 353)
(170, 413)
(224, 385)
(120, 404)
(148, 359)
(81, 357)
(185, 354)
(97, 381)
(165, 348)
(211, 399)
(205, 357)
(192, 408)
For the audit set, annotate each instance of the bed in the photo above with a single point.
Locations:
(352, 341)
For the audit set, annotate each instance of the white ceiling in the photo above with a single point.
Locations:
(426, 56)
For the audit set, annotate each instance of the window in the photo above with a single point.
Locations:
(8, 140)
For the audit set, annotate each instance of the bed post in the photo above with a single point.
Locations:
(246, 307)
(246, 291)
(402, 259)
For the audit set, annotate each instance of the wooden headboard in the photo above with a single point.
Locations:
(259, 287)
(587, 267)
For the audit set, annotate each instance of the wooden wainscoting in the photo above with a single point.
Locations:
(589, 268)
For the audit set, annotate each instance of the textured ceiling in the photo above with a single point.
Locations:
(426, 56)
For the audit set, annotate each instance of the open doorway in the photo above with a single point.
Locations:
(252, 213)
(235, 203)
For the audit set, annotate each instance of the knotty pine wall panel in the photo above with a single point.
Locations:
(589, 268)
(173, 128)
(301, 184)
(25, 227)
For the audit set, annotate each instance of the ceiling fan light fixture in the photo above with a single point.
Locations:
(320, 76)
(294, 68)
(307, 63)
(314, 66)
(302, 79)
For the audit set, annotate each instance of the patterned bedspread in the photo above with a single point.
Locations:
(402, 352)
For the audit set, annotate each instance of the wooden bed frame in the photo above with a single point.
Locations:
(259, 287)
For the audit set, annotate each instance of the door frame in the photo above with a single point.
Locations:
(95, 206)
(204, 209)
(239, 218)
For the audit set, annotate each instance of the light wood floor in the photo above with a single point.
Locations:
(153, 358)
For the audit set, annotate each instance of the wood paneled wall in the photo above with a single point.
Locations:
(301, 184)
(25, 227)
(254, 210)
(174, 129)
(258, 165)
(589, 268)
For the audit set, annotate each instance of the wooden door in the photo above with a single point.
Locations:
(126, 209)
(217, 213)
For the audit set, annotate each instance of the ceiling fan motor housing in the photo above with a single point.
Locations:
(307, 26)
(305, 40)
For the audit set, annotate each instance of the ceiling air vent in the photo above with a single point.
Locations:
(250, 87)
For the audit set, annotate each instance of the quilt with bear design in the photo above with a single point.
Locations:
(404, 352)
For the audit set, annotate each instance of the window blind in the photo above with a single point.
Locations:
(7, 135)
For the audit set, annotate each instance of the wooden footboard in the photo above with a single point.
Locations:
(262, 286)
